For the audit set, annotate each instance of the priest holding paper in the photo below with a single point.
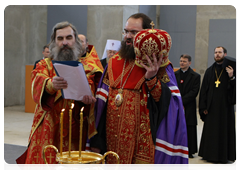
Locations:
(48, 89)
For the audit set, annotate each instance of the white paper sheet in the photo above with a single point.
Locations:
(78, 85)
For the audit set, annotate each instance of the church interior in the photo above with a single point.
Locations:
(195, 30)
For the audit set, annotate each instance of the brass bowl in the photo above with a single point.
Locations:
(88, 160)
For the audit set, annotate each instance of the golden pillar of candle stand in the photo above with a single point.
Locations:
(61, 131)
(80, 140)
(70, 132)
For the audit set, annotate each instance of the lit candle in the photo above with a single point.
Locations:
(80, 140)
(61, 131)
(70, 130)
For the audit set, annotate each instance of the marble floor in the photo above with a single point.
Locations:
(17, 125)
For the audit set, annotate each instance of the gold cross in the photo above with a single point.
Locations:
(50, 157)
(152, 24)
(36, 157)
(142, 102)
(217, 82)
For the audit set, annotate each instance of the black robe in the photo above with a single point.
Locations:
(104, 62)
(189, 89)
(36, 64)
(218, 141)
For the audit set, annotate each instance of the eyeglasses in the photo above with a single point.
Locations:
(132, 33)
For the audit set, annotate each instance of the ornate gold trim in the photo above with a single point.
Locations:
(39, 122)
(165, 64)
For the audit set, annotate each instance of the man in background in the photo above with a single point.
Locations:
(189, 83)
(45, 53)
(111, 48)
(89, 52)
(84, 42)
(216, 108)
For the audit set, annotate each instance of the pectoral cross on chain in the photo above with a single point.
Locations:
(218, 77)
(217, 82)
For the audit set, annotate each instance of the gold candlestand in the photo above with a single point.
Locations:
(77, 160)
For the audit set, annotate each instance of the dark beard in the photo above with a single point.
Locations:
(127, 51)
(219, 60)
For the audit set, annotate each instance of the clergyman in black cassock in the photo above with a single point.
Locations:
(218, 97)
(189, 85)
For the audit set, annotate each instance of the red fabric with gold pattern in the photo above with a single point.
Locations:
(91, 61)
(149, 41)
(46, 127)
(93, 69)
(128, 128)
(151, 85)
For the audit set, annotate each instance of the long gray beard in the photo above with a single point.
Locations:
(69, 54)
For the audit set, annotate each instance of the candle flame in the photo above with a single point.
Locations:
(72, 106)
(63, 110)
(82, 109)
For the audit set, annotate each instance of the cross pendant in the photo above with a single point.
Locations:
(217, 82)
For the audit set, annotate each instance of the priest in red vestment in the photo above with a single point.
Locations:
(46, 92)
(139, 111)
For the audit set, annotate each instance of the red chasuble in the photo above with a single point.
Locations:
(93, 69)
(46, 123)
(128, 125)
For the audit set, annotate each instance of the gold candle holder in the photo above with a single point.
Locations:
(70, 131)
(61, 131)
(80, 140)
(76, 157)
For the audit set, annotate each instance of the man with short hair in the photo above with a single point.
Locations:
(46, 91)
(89, 53)
(84, 42)
(216, 108)
(45, 53)
(189, 84)
(126, 96)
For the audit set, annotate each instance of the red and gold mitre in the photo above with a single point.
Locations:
(149, 41)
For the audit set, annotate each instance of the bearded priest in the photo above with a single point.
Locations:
(139, 111)
(46, 91)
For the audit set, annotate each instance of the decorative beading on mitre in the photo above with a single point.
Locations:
(149, 41)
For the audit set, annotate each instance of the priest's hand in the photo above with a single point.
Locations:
(59, 83)
(153, 67)
(88, 99)
(230, 70)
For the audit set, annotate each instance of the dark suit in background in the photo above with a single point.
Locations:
(104, 62)
(36, 64)
(189, 84)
